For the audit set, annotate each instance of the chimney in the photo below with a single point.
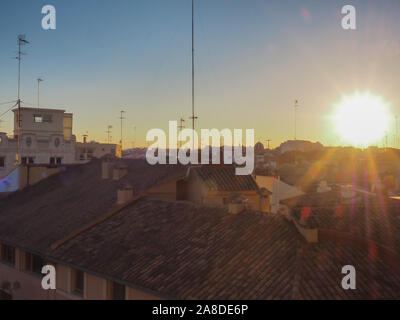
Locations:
(106, 170)
(347, 192)
(119, 171)
(124, 194)
(237, 203)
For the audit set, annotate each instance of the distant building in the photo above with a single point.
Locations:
(299, 145)
(95, 150)
(45, 138)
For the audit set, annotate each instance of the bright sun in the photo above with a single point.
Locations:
(361, 119)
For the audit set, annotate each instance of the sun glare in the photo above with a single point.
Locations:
(361, 119)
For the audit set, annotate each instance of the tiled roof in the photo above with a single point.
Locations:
(321, 273)
(224, 178)
(39, 215)
(182, 251)
(366, 216)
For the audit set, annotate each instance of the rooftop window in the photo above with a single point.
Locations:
(37, 118)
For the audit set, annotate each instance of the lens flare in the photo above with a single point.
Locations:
(361, 119)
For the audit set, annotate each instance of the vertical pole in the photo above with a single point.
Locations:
(19, 103)
(193, 117)
(38, 99)
(295, 120)
(122, 117)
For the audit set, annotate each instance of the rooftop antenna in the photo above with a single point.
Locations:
(180, 127)
(268, 141)
(296, 105)
(109, 127)
(21, 42)
(39, 80)
(397, 132)
(134, 137)
(85, 136)
(193, 117)
(121, 118)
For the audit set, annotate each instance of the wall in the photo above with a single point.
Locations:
(166, 190)
(280, 190)
(96, 288)
(97, 150)
(29, 126)
(36, 174)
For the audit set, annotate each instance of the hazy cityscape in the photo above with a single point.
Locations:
(199, 150)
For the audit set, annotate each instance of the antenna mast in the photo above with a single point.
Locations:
(38, 91)
(134, 137)
(121, 118)
(268, 141)
(109, 127)
(21, 42)
(193, 117)
(180, 127)
(296, 105)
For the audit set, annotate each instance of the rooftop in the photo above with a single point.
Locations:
(182, 251)
(224, 178)
(42, 214)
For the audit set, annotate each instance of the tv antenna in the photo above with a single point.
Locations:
(180, 127)
(268, 141)
(109, 127)
(134, 137)
(21, 42)
(193, 117)
(121, 118)
(296, 105)
(39, 80)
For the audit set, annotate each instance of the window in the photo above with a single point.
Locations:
(58, 160)
(52, 160)
(23, 160)
(118, 291)
(78, 282)
(37, 118)
(34, 263)
(47, 118)
(8, 254)
(2, 162)
(31, 160)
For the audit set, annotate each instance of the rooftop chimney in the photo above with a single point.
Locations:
(119, 171)
(237, 203)
(106, 170)
(124, 194)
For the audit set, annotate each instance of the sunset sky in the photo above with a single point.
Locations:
(253, 59)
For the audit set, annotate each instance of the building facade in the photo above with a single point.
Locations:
(44, 137)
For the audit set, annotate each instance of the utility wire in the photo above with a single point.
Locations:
(2, 103)
(1, 115)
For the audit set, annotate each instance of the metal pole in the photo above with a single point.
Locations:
(295, 120)
(39, 80)
(121, 118)
(19, 103)
(193, 117)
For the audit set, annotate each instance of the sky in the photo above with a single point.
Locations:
(253, 59)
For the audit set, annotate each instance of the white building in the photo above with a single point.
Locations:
(45, 138)
(89, 150)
